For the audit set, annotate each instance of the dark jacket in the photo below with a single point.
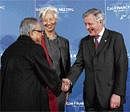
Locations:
(25, 75)
(65, 55)
(105, 67)
(64, 64)
(63, 45)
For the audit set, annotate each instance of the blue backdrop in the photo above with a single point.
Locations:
(70, 25)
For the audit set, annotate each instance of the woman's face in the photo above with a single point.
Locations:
(49, 21)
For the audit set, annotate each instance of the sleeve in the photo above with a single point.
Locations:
(44, 72)
(78, 65)
(67, 68)
(121, 66)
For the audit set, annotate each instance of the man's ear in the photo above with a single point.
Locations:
(30, 33)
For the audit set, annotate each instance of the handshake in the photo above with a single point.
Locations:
(66, 85)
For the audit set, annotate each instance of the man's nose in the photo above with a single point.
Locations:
(87, 26)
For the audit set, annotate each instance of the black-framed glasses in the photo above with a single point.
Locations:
(40, 31)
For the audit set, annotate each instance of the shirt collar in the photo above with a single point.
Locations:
(101, 33)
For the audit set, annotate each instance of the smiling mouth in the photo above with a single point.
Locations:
(49, 26)
(91, 29)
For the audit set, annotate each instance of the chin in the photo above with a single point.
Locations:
(91, 34)
(50, 30)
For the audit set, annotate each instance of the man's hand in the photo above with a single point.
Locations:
(115, 101)
(66, 84)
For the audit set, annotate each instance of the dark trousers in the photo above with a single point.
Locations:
(120, 109)
(92, 103)
(96, 107)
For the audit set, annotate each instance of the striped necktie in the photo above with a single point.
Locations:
(96, 41)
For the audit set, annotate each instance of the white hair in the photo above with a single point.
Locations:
(97, 13)
(27, 25)
(44, 10)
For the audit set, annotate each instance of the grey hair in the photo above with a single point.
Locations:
(96, 12)
(27, 25)
(44, 10)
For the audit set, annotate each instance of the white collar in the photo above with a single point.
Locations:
(101, 33)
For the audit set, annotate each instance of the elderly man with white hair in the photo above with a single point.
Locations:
(26, 73)
(103, 56)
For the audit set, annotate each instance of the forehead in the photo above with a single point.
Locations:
(90, 17)
(49, 13)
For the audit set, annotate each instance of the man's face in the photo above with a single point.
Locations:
(36, 34)
(49, 21)
(93, 26)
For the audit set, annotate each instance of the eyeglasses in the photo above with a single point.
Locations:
(40, 31)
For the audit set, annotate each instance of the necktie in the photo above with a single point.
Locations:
(96, 41)
(52, 98)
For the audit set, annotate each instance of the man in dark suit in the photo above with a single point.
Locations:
(103, 55)
(26, 73)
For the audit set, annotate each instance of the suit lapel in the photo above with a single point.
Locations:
(90, 45)
(103, 42)
(61, 50)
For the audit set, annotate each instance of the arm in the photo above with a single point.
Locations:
(78, 65)
(44, 72)
(121, 67)
(67, 67)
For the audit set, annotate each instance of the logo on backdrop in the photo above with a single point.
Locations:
(2, 7)
(61, 9)
(120, 9)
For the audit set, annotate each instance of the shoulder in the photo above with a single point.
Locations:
(10, 49)
(61, 38)
(115, 34)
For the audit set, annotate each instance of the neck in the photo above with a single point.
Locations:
(100, 30)
(51, 35)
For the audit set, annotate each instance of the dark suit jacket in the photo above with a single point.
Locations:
(65, 55)
(63, 45)
(105, 68)
(25, 75)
